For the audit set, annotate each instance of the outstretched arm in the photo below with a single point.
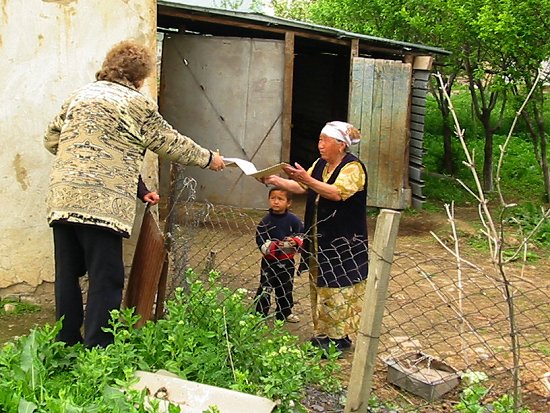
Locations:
(300, 176)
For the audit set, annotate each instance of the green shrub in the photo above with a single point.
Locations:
(472, 397)
(209, 335)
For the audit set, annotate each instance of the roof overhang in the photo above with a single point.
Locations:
(207, 20)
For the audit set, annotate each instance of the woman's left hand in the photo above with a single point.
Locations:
(296, 173)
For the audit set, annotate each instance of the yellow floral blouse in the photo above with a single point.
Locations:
(350, 180)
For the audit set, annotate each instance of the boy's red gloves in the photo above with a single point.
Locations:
(281, 250)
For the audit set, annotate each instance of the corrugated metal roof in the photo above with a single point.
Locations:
(262, 19)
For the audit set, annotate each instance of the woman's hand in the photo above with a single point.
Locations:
(280, 182)
(273, 180)
(297, 173)
(217, 163)
(151, 198)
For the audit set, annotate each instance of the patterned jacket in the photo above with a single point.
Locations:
(99, 139)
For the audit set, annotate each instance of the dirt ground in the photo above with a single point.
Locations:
(416, 250)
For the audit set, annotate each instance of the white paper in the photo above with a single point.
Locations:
(249, 168)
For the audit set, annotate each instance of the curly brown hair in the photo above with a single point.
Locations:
(127, 61)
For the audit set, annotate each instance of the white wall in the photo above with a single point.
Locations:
(47, 49)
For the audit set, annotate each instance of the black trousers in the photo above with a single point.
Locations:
(277, 276)
(81, 249)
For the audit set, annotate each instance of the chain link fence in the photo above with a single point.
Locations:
(438, 319)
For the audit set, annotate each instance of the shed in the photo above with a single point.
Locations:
(261, 88)
(254, 86)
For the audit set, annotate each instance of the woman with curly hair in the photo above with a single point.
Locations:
(335, 244)
(99, 139)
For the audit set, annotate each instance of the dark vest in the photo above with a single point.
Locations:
(341, 231)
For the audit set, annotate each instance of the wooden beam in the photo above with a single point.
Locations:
(423, 63)
(354, 49)
(287, 96)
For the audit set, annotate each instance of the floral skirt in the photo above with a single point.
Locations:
(336, 312)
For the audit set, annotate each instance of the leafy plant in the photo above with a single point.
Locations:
(471, 398)
(209, 335)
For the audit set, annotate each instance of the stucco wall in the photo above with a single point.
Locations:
(47, 49)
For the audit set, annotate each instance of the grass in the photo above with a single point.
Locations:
(17, 307)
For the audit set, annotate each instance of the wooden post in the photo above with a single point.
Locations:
(287, 96)
(366, 345)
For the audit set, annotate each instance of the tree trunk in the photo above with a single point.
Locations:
(488, 160)
(543, 154)
(448, 156)
(448, 165)
(544, 166)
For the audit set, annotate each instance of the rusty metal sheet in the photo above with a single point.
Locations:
(150, 259)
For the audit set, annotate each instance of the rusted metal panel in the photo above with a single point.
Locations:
(148, 267)
(379, 105)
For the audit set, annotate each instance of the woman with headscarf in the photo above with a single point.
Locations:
(336, 248)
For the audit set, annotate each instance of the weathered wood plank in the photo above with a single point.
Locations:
(418, 203)
(418, 102)
(418, 110)
(420, 84)
(417, 152)
(422, 74)
(375, 140)
(415, 173)
(417, 135)
(366, 349)
(379, 106)
(416, 143)
(418, 127)
(416, 187)
(355, 111)
(419, 93)
(399, 145)
(287, 95)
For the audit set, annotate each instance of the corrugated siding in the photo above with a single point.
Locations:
(416, 149)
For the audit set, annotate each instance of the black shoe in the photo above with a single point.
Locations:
(342, 343)
(320, 341)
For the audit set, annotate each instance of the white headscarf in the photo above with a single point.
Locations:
(339, 131)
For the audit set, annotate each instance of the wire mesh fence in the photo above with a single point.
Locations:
(437, 320)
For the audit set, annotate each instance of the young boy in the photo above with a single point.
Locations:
(278, 237)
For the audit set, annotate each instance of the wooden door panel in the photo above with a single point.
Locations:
(379, 106)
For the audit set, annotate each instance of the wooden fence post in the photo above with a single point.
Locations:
(366, 345)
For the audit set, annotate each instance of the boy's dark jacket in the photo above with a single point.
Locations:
(271, 232)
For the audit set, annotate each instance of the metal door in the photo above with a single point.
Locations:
(226, 93)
